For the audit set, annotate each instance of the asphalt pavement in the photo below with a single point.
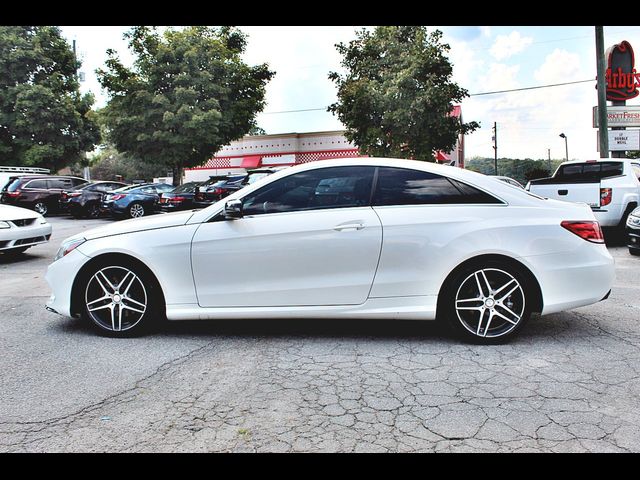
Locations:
(570, 382)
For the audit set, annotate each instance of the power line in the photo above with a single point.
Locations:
(530, 88)
(471, 95)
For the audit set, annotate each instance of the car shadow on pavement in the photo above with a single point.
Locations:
(10, 258)
(408, 330)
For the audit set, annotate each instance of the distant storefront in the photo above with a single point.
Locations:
(254, 151)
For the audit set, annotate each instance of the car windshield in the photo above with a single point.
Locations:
(254, 177)
(13, 184)
(126, 188)
(186, 187)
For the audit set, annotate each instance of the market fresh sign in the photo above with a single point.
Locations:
(621, 78)
(620, 116)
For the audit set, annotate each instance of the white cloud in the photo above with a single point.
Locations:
(507, 45)
(559, 66)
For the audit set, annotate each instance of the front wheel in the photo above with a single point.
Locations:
(120, 299)
(487, 303)
(92, 210)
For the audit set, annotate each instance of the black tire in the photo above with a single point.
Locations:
(462, 305)
(92, 210)
(131, 310)
(136, 210)
(41, 207)
(634, 251)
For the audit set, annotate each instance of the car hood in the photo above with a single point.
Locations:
(9, 212)
(137, 225)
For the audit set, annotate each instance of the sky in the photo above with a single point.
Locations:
(484, 58)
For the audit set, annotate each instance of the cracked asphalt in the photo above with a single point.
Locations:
(570, 382)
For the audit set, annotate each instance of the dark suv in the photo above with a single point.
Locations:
(84, 200)
(39, 193)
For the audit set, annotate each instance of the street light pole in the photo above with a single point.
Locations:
(566, 147)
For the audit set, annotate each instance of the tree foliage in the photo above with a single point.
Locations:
(397, 94)
(44, 120)
(108, 164)
(188, 94)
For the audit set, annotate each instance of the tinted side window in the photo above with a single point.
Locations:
(400, 186)
(569, 171)
(60, 183)
(148, 190)
(334, 187)
(36, 184)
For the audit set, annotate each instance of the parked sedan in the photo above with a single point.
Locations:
(21, 228)
(84, 201)
(215, 189)
(180, 198)
(633, 232)
(307, 242)
(133, 201)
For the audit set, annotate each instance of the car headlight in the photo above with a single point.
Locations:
(5, 225)
(68, 247)
(632, 220)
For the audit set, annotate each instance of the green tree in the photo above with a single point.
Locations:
(188, 94)
(397, 94)
(108, 164)
(44, 121)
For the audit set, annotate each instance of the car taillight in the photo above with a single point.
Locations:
(118, 196)
(587, 229)
(218, 191)
(176, 199)
(605, 196)
(15, 194)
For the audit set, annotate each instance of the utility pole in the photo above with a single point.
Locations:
(603, 127)
(495, 147)
(549, 158)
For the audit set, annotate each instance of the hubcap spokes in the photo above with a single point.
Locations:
(137, 211)
(490, 303)
(116, 298)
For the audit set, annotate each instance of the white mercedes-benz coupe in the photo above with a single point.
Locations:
(349, 238)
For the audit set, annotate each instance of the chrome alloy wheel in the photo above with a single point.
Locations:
(41, 208)
(136, 210)
(116, 299)
(490, 303)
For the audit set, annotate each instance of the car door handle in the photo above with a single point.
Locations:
(348, 226)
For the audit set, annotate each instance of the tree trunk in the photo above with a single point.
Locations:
(177, 173)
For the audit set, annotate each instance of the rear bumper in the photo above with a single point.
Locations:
(573, 279)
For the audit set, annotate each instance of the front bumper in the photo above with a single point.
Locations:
(60, 276)
(633, 238)
(18, 237)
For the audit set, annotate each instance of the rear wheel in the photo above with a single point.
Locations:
(92, 210)
(136, 210)
(119, 298)
(41, 208)
(487, 303)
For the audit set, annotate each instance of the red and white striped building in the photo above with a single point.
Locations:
(254, 151)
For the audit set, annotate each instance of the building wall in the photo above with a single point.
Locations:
(289, 149)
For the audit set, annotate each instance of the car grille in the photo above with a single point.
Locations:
(25, 241)
(25, 222)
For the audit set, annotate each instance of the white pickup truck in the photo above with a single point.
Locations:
(610, 186)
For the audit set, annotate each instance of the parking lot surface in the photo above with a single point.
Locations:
(570, 382)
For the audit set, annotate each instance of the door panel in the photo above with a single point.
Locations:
(319, 257)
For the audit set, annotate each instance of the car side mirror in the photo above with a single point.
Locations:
(233, 209)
